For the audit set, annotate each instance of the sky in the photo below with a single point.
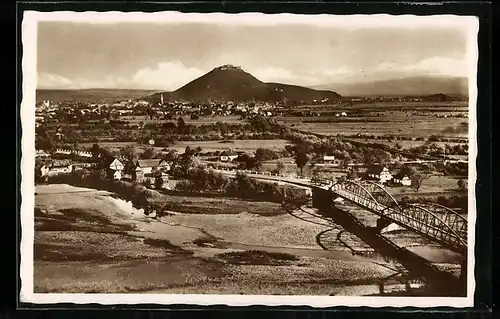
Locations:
(165, 55)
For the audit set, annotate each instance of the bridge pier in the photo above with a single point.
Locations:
(322, 199)
(382, 223)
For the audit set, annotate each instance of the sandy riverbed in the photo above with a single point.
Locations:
(88, 241)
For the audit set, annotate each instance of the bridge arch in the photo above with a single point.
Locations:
(429, 224)
(448, 211)
(358, 191)
(386, 199)
(450, 217)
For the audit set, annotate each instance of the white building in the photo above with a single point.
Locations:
(379, 173)
(328, 159)
(402, 179)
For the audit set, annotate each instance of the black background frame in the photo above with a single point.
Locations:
(483, 301)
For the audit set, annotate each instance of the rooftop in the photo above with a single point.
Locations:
(148, 162)
(375, 169)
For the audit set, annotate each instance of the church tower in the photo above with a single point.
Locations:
(161, 99)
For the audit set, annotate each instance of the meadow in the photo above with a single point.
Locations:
(413, 119)
(392, 124)
(235, 145)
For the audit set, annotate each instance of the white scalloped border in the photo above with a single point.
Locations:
(29, 40)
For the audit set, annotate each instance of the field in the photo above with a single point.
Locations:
(235, 145)
(206, 146)
(230, 250)
(416, 119)
(405, 144)
(434, 184)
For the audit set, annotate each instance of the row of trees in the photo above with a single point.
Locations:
(164, 134)
(202, 180)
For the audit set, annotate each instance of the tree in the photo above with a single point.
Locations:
(244, 186)
(129, 152)
(264, 154)
(353, 173)
(301, 158)
(345, 163)
(280, 167)
(169, 126)
(170, 155)
(105, 152)
(248, 162)
(148, 153)
(417, 179)
(147, 182)
(181, 125)
(183, 162)
(158, 182)
(462, 184)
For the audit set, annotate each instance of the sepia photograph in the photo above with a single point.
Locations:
(243, 159)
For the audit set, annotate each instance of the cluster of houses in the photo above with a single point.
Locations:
(48, 111)
(382, 175)
(116, 168)
(228, 156)
(55, 168)
(138, 170)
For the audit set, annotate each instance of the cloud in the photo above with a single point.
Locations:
(312, 77)
(272, 74)
(171, 75)
(52, 81)
(440, 66)
(430, 66)
(165, 76)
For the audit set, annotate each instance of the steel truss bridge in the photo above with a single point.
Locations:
(436, 222)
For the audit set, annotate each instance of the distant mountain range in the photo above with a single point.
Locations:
(90, 95)
(408, 86)
(230, 83)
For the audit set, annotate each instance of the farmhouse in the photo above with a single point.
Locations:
(402, 178)
(227, 156)
(330, 159)
(56, 168)
(44, 170)
(149, 165)
(379, 173)
(142, 168)
(113, 167)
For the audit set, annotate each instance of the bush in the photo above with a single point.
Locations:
(203, 180)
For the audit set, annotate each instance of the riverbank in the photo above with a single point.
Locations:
(90, 241)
